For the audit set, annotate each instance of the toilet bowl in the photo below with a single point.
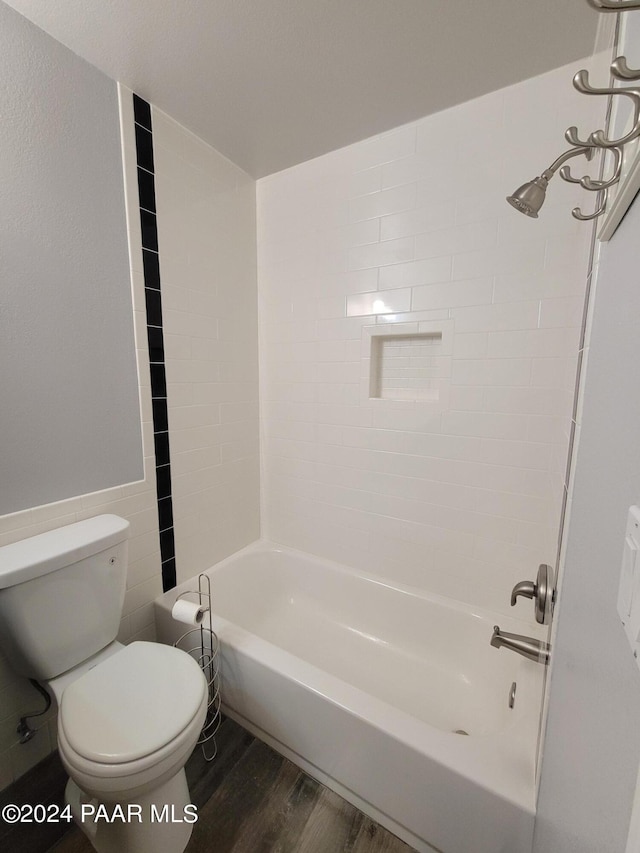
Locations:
(128, 716)
(129, 723)
(126, 728)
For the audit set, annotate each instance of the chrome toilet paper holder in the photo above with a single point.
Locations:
(202, 644)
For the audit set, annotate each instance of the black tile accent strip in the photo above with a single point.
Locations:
(146, 190)
(165, 513)
(156, 344)
(163, 481)
(160, 415)
(151, 269)
(161, 442)
(153, 301)
(158, 384)
(144, 147)
(142, 112)
(155, 336)
(167, 545)
(169, 572)
(149, 227)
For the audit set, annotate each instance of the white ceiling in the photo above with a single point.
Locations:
(271, 83)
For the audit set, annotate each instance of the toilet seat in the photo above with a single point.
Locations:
(132, 719)
(132, 704)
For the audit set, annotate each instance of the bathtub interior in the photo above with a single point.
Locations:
(427, 657)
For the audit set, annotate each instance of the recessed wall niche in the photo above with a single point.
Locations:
(406, 367)
(407, 363)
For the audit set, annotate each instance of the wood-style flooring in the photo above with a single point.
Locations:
(252, 800)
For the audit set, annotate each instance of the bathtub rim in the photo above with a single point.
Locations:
(269, 546)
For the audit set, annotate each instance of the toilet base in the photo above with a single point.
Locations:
(157, 822)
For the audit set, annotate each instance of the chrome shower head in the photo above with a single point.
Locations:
(529, 198)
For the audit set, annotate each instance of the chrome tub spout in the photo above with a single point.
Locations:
(528, 647)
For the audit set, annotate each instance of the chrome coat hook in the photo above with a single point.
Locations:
(602, 206)
(598, 138)
(565, 172)
(601, 187)
(591, 184)
(614, 5)
(621, 70)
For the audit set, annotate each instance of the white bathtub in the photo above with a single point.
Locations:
(364, 686)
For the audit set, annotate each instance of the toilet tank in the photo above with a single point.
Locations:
(61, 595)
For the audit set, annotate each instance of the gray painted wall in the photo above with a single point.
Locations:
(592, 747)
(69, 410)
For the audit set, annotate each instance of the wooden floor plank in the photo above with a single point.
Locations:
(333, 825)
(44, 784)
(284, 812)
(74, 842)
(235, 802)
(374, 838)
(204, 777)
(283, 835)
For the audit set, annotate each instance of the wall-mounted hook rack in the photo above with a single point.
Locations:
(598, 138)
(614, 5)
(625, 148)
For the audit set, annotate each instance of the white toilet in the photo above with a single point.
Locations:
(128, 716)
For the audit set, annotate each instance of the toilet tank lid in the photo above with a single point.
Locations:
(47, 552)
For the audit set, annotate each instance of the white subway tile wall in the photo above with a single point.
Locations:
(462, 500)
(207, 238)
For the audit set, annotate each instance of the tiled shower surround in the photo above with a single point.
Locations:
(455, 486)
(207, 238)
(454, 482)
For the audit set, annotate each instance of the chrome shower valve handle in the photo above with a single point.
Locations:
(525, 588)
(541, 591)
